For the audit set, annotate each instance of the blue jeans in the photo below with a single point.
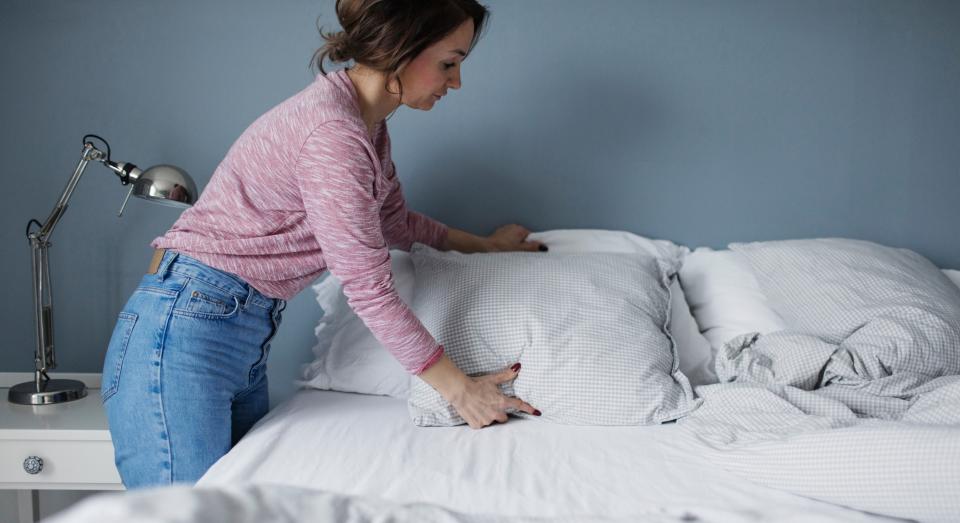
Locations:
(185, 375)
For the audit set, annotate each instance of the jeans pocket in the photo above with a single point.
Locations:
(113, 362)
(200, 300)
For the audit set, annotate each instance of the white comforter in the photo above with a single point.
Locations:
(259, 504)
(250, 503)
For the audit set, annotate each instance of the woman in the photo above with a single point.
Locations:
(308, 187)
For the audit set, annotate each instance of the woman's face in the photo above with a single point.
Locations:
(437, 68)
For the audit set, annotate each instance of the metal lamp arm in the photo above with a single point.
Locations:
(40, 242)
(90, 153)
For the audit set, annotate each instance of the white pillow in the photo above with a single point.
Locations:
(693, 350)
(725, 297)
(833, 287)
(600, 240)
(953, 275)
(694, 353)
(877, 322)
(350, 359)
(588, 329)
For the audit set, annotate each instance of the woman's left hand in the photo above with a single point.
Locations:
(512, 238)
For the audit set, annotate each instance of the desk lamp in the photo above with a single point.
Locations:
(164, 184)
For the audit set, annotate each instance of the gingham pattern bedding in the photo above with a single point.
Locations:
(869, 326)
(839, 374)
(858, 403)
(853, 292)
(810, 444)
(588, 329)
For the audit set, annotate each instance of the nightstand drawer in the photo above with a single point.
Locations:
(63, 462)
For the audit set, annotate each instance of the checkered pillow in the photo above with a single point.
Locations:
(588, 329)
(902, 312)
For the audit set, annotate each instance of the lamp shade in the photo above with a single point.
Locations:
(167, 185)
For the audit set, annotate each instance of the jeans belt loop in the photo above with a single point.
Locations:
(250, 295)
(166, 262)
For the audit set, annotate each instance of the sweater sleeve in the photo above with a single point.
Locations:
(336, 176)
(402, 226)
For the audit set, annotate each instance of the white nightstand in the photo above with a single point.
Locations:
(71, 438)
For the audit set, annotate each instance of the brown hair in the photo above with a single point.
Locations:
(385, 34)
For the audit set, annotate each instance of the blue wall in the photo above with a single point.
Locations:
(703, 122)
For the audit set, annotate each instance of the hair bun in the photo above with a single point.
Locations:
(338, 46)
(384, 34)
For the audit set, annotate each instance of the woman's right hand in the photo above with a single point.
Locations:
(481, 402)
(478, 400)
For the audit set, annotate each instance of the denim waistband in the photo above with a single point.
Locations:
(184, 265)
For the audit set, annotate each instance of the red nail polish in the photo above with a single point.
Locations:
(536, 412)
(515, 367)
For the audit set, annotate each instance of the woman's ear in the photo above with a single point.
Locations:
(394, 83)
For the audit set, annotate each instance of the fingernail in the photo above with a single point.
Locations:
(536, 412)
(544, 248)
(515, 367)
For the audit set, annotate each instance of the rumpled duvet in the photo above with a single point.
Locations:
(815, 443)
(858, 404)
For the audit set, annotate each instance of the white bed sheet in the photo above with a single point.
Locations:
(366, 445)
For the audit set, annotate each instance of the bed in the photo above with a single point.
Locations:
(766, 443)
(341, 452)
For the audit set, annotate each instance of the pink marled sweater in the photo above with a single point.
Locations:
(303, 190)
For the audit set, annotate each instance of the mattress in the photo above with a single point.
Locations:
(367, 446)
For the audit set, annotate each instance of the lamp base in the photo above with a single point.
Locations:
(53, 391)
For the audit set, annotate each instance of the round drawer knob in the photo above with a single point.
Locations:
(33, 465)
